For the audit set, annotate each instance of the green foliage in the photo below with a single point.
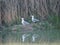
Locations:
(45, 30)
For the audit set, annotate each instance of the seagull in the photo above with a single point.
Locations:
(34, 20)
(24, 37)
(24, 22)
(34, 37)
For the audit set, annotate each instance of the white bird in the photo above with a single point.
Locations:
(34, 20)
(34, 37)
(24, 22)
(24, 36)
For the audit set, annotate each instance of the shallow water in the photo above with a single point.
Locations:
(43, 36)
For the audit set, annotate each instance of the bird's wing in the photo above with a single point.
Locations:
(36, 20)
(33, 20)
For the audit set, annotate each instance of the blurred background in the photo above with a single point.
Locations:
(48, 27)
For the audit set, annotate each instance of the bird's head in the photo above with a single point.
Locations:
(22, 18)
(32, 17)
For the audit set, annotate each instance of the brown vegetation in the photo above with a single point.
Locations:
(10, 10)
